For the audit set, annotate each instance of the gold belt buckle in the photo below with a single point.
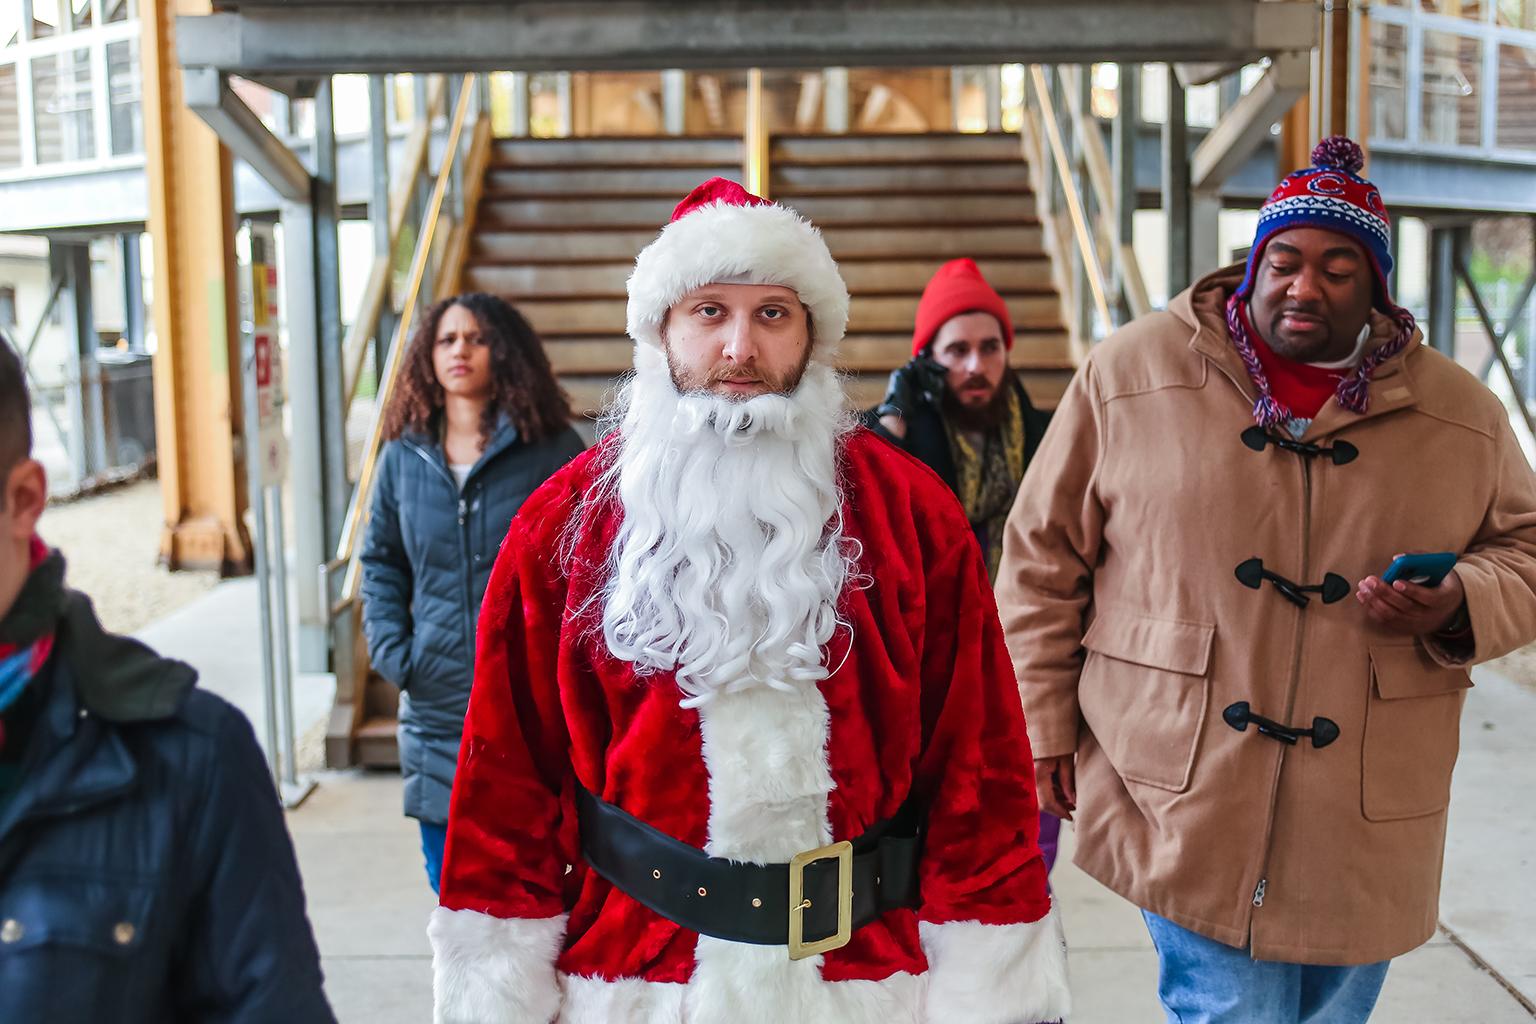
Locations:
(799, 949)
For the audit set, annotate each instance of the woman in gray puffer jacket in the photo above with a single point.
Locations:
(477, 423)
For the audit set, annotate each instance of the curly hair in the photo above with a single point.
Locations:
(523, 384)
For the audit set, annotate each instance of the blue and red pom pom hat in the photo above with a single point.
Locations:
(1330, 195)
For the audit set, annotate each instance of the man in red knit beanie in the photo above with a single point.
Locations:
(958, 406)
(1258, 761)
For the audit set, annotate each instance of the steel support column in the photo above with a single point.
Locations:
(674, 101)
(1176, 191)
(70, 262)
(835, 103)
(198, 412)
(378, 209)
(1443, 243)
(1127, 121)
(133, 289)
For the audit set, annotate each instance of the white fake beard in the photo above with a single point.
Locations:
(730, 558)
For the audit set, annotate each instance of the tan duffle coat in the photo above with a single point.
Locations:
(1131, 632)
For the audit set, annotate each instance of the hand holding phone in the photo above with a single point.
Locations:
(1425, 570)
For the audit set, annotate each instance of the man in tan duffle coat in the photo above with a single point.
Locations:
(1257, 733)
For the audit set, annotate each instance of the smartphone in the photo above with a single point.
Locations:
(1424, 570)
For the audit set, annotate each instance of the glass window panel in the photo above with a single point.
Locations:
(10, 24)
(402, 95)
(545, 115)
(123, 82)
(1106, 90)
(349, 103)
(1472, 10)
(1202, 104)
(1154, 93)
(1389, 81)
(61, 99)
(10, 119)
(1452, 90)
(1518, 14)
(45, 18)
(119, 10)
(1516, 128)
(79, 13)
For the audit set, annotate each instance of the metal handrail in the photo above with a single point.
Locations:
(1080, 231)
(357, 511)
(371, 309)
(1093, 234)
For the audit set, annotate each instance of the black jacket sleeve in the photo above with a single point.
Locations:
(248, 954)
(387, 582)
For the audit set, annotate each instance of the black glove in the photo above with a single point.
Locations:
(918, 383)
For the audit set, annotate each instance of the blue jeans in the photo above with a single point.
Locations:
(1201, 981)
(433, 838)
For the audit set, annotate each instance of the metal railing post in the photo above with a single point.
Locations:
(1176, 193)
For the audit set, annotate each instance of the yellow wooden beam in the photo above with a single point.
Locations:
(198, 412)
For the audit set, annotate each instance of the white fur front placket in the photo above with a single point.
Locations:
(769, 785)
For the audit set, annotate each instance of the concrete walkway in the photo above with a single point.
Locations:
(369, 900)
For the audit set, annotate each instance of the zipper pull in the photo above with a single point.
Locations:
(1259, 891)
(463, 507)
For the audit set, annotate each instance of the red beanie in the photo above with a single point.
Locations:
(957, 288)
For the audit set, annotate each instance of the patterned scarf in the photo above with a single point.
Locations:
(1354, 388)
(18, 664)
(987, 481)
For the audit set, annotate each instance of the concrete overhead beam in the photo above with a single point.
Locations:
(1247, 124)
(452, 35)
(208, 94)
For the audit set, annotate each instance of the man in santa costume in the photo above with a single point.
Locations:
(744, 742)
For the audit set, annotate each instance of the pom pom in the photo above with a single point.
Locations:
(1339, 152)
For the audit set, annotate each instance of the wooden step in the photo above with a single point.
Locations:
(579, 212)
(374, 744)
(886, 178)
(552, 317)
(651, 151)
(935, 243)
(932, 243)
(831, 211)
(606, 280)
(589, 394)
(534, 247)
(586, 180)
(874, 353)
(949, 147)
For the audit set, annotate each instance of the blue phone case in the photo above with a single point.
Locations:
(1425, 570)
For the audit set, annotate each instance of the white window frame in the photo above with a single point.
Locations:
(94, 40)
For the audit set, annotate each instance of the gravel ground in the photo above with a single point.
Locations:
(112, 544)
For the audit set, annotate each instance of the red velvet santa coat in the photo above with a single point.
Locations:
(922, 699)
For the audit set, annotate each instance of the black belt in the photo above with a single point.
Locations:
(835, 889)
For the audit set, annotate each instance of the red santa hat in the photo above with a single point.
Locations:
(723, 234)
(957, 288)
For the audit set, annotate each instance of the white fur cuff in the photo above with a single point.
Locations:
(490, 970)
(996, 974)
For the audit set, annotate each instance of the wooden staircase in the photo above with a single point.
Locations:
(561, 220)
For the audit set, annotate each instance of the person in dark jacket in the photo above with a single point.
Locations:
(958, 406)
(960, 409)
(145, 871)
(478, 423)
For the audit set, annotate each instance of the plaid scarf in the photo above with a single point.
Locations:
(19, 664)
(1354, 388)
(987, 481)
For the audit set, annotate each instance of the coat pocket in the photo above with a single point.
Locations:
(1412, 733)
(72, 941)
(1144, 690)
